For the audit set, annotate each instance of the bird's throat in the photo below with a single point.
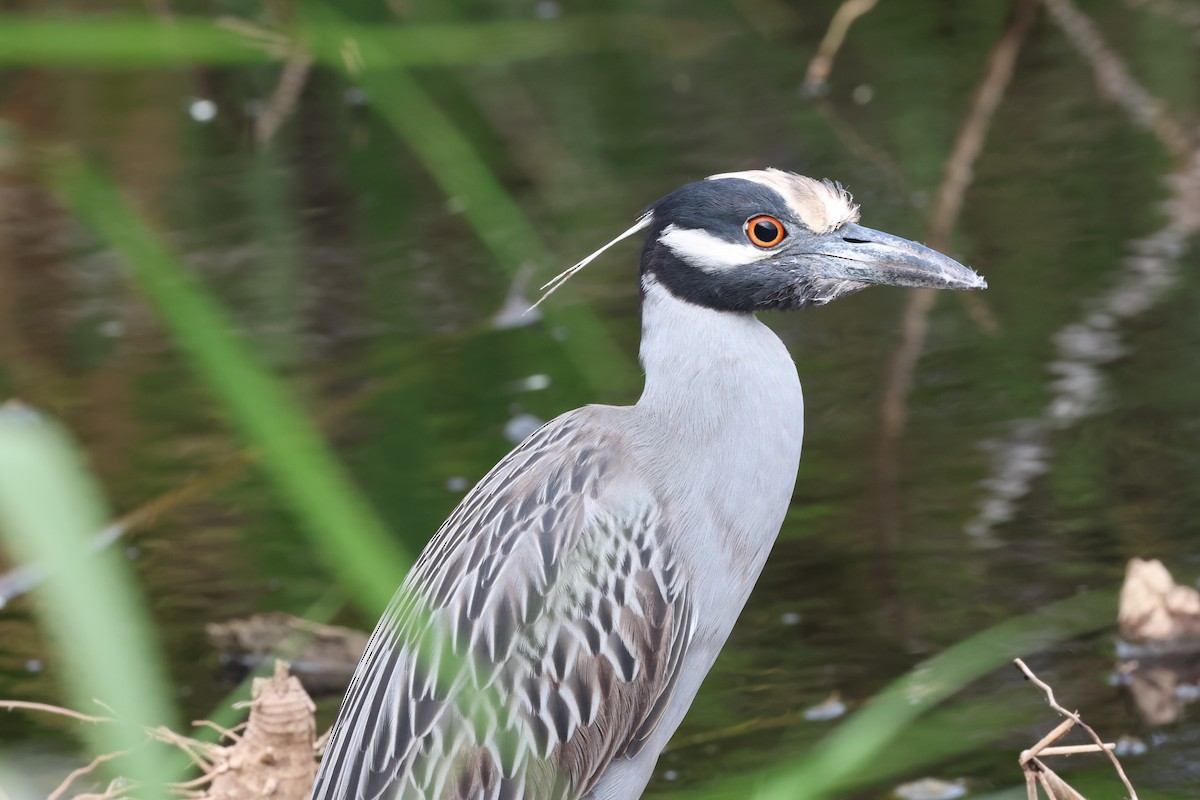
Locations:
(715, 373)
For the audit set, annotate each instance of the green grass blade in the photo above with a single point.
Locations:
(836, 762)
(139, 42)
(337, 519)
(130, 42)
(857, 741)
(49, 509)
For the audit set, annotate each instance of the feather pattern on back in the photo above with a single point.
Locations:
(552, 628)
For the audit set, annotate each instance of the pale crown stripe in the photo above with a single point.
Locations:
(821, 205)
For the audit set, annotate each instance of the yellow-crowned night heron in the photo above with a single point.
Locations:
(569, 608)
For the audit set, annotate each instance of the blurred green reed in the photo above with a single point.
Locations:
(334, 514)
(134, 42)
(90, 604)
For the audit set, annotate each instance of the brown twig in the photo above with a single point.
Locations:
(1029, 757)
(84, 770)
(115, 791)
(283, 99)
(1054, 786)
(202, 754)
(27, 705)
(821, 64)
(960, 167)
(226, 733)
(1076, 749)
(1051, 737)
(1031, 786)
(959, 172)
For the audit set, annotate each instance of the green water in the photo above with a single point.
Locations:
(352, 273)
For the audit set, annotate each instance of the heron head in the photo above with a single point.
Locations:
(772, 240)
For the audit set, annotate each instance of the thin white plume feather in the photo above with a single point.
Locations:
(558, 280)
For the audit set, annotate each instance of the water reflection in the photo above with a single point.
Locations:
(1083, 348)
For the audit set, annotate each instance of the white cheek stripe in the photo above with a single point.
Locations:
(707, 252)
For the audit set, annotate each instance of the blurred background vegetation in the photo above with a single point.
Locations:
(260, 260)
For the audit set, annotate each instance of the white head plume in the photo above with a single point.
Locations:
(558, 280)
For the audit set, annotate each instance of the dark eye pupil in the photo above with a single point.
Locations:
(765, 231)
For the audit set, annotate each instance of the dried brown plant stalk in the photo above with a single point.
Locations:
(273, 755)
(1037, 774)
(292, 79)
(285, 97)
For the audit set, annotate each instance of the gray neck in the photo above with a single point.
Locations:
(720, 422)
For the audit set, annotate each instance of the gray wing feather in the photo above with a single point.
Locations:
(552, 631)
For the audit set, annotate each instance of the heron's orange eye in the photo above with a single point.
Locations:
(765, 231)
